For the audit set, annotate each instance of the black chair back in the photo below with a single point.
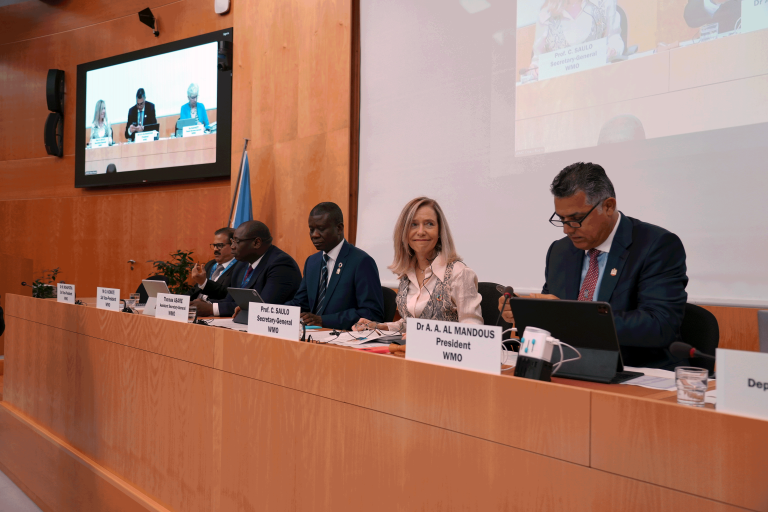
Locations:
(490, 304)
(700, 330)
(390, 304)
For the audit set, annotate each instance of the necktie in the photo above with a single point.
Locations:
(247, 276)
(590, 281)
(217, 272)
(323, 285)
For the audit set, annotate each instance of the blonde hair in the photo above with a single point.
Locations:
(97, 114)
(404, 255)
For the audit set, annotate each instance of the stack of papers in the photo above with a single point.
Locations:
(653, 378)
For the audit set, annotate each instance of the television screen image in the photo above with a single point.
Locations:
(605, 71)
(160, 114)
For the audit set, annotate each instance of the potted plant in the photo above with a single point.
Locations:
(43, 287)
(177, 271)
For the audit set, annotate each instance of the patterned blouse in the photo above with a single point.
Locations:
(449, 293)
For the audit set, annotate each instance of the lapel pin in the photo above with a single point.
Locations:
(613, 272)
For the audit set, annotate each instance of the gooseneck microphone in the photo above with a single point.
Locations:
(508, 292)
(683, 350)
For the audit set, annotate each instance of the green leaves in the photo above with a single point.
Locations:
(43, 287)
(177, 271)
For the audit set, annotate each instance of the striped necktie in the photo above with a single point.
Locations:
(323, 285)
(587, 291)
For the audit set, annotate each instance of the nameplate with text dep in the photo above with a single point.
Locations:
(108, 298)
(145, 136)
(172, 307)
(274, 320)
(742, 383)
(65, 293)
(466, 346)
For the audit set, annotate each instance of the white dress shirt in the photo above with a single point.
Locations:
(463, 292)
(237, 285)
(333, 255)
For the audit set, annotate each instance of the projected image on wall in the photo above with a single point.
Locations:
(152, 113)
(594, 72)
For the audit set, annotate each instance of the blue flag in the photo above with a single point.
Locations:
(244, 211)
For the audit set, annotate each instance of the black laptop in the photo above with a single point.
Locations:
(243, 297)
(588, 326)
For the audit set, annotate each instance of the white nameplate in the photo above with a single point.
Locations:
(145, 136)
(708, 32)
(742, 383)
(572, 59)
(274, 320)
(66, 293)
(101, 142)
(172, 307)
(466, 346)
(191, 131)
(754, 15)
(108, 298)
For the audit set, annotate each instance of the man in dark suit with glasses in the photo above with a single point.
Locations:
(212, 281)
(638, 268)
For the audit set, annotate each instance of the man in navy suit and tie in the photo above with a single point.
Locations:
(638, 268)
(260, 266)
(341, 283)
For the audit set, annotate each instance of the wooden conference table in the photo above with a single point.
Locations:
(109, 411)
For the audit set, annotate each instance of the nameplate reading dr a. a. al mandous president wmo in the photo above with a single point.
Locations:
(466, 346)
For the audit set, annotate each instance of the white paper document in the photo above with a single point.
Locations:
(652, 378)
(229, 324)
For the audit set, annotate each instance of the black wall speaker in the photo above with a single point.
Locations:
(54, 90)
(54, 134)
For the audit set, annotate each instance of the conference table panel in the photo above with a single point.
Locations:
(287, 450)
(183, 341)
(154, 147)
(109, 153)
(701, 452)
(257, 423)
(206, 141)
(475, 403)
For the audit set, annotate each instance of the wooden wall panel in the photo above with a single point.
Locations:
(738, 327)
(13, 270)
(681, 448)
(292, 63)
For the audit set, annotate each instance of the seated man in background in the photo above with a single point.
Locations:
(703, 12)
(638, 268)
(341, 283)
(211, 282)
(140, 115)
(260, 266)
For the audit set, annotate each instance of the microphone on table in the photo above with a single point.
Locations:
(683, 350)
(508, 293)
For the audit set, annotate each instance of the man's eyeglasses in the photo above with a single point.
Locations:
(236, 241)
(218, 247)
(572, 223)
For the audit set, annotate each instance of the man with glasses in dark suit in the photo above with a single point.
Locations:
(261, 266)
(212, 281)
(638, 268)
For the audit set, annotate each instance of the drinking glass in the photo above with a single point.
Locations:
(691, 385)
(192, 313)
(131, 304)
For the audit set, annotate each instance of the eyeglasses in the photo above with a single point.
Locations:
(236, 241)
(218, 247)
(572, 223)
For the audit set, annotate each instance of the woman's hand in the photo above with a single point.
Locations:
(365, 325)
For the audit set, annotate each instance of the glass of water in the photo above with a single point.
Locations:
(691, 385)
(192, 314)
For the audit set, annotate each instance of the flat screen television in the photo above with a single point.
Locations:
(156, 115)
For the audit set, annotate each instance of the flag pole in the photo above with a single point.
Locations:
(237, 187)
